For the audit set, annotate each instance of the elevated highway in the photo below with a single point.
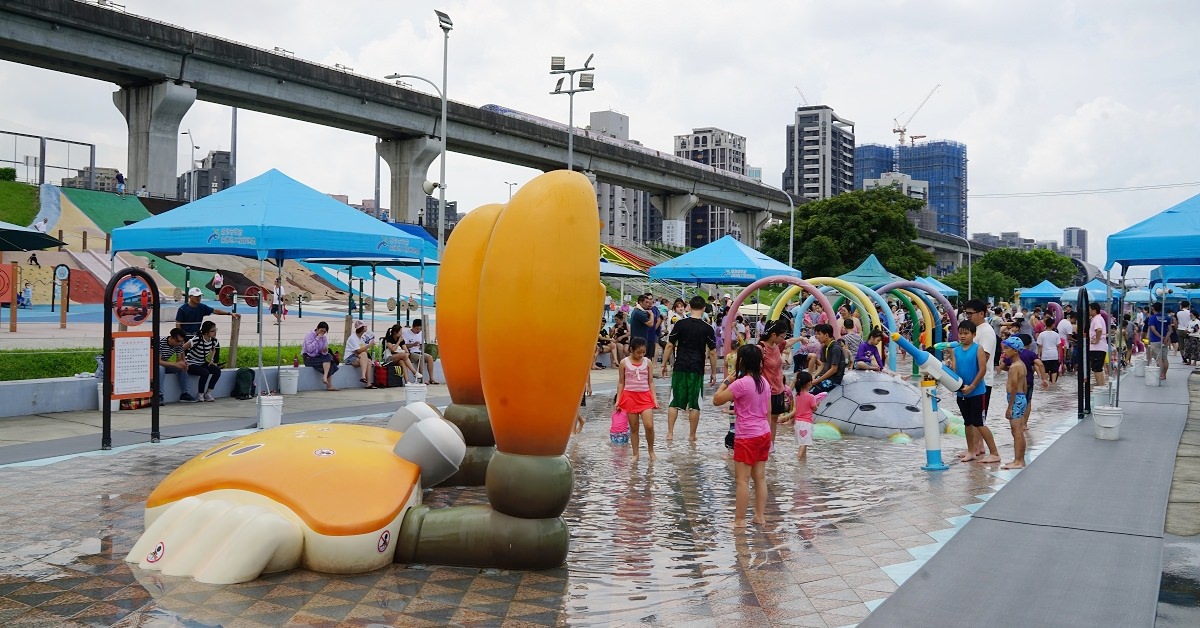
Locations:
(161, 69)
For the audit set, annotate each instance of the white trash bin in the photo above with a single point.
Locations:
(1106, 420)
(289, 381)
(270, 411)
(115, 404)
(414, 392)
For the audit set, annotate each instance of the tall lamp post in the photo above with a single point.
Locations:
(191, 167)
(558, 65)
(510, 187)
(446, 25)
(955, 235)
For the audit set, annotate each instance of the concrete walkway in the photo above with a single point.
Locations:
(1076, 539)
(41, 436)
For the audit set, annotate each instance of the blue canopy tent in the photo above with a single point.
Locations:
(1097, 292)
(725, 261)
(1177, 274)
(1169, 237)
(270, 217)
(870, 273)
(941, 287)
(1043, 292)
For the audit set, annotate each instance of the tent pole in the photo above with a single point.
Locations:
(424, 323)
(262, 277)
(373, 304)
(279, 327)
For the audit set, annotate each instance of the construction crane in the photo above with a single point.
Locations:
(912, 139)
(802, 98)
(902, 129)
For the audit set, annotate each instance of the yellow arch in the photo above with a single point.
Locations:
(926, 314)
(840, 285)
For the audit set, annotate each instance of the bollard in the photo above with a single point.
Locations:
(933, 438)
(235, 327)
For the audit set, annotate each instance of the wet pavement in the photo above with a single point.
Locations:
(652, 543)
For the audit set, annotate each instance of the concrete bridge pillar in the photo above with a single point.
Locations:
(675, 208)
(152, 113)
(750, 224)
(409, 162)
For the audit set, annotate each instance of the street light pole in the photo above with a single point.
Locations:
(954, 235)
(191, 167)
(447, 25)
(558, 65)
(791, 228)
(510, 187)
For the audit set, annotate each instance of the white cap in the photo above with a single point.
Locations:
(194, 292)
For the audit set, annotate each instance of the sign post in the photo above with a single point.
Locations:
(130, 369)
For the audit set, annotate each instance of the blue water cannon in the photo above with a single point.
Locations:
(929, 365)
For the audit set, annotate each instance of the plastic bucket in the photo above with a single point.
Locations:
(1101, 397)
(1139, 369)
(289, 381)
(1106, 420)
(270, 411)
(414, 392)
(1151, 379)
(115, 404)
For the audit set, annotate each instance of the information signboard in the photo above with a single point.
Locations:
(132, 359)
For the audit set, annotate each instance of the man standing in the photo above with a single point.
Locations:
(189, 315)
(1157, 328)
(985, 337)
(640, 320)
(1098, 343)
(690, 342)
(1183, 323)
(120, 184)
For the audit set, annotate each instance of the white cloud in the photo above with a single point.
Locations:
(1047, 96)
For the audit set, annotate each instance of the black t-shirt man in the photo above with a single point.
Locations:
(693, 339)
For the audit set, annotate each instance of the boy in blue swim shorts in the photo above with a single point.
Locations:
(1018, 403)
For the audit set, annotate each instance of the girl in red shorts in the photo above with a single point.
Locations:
(635, 394)
(751, 397)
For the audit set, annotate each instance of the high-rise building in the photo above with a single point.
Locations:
(1075, 243)
(943, 164)
(433, 210)
(754, 172)
(820, 154)
(924, 218)
(719, 149)
(626, 213)
(214, 174)
(871, 161)
(106, 180)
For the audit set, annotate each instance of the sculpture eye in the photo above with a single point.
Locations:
(223, 448)
(244, 450)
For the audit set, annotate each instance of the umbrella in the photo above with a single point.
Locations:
(18, 238)
(271, 216)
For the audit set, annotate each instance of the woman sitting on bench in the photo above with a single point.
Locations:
(316, 353)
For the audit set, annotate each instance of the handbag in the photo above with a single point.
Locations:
(381, 376)
(395, 377)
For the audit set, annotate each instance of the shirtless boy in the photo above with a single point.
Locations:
(1017, 403)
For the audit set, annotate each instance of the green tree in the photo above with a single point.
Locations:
(835, 235)
(984, 284)
(1028, 268)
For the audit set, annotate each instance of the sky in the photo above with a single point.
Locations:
(1047, 96)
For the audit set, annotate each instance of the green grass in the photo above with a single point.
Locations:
(19, 364)
(110, 211)
(18, 202)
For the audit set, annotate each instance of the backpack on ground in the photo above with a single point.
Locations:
(243, 384)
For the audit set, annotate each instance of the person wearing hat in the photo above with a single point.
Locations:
(189, 315)
(358, 348)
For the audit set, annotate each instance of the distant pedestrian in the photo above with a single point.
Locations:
(33, 260)
(42, 225)
(120, 184)
(143, 192)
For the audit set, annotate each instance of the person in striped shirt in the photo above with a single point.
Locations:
(202, 360)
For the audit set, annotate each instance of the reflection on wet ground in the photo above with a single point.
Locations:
(651, 542)
(1179, 592)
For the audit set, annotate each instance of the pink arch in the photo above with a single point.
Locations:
(727, 326)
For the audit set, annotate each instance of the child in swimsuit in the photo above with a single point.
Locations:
(1017, 401)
